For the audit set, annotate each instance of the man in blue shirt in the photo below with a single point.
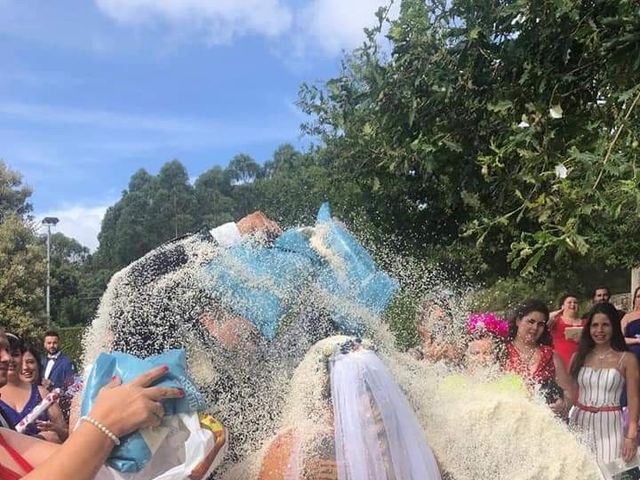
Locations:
(57, 367)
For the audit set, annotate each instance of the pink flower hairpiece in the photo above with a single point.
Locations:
(487, 322)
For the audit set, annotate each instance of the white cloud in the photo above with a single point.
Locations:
(220, 20)
(332, 26)
(81, 222)
(311, 26)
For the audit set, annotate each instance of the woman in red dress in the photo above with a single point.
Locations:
(566, 326)
(529, 354)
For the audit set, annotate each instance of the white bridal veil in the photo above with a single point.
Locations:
(377, 434)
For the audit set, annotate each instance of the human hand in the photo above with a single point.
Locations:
(435, 352)
(126, 408)
(559, 407)
(46, 383)
(45, 426)
(258, 222)
(629, 449)
(553, 316)
(231, 330)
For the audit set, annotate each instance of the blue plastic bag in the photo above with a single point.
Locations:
(356, 280)
(134, 453)
(261, 283)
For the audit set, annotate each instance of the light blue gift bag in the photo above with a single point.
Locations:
(134, 453)
(354, 278)
(262, 283)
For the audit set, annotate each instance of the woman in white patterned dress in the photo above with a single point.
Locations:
(603, 369)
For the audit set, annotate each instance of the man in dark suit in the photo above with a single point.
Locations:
(602, 294)
(57, 367)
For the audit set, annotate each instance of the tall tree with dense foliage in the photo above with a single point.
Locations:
(22, 264)
(71, 302)
(213, 197)
(153, 210)
(22, 277)
(513, 123)
(13, 194)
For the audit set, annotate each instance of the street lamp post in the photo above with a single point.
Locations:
(49, 222)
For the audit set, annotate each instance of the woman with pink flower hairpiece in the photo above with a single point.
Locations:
(487, 334)
(485, 352)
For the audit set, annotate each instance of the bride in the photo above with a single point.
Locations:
(357, 422)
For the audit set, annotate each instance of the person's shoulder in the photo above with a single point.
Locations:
(65, 358)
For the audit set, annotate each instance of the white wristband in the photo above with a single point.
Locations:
(102, 428)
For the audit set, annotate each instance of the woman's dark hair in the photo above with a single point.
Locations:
(524, 309)
(586, 341)
(15, 343)
(565, 296)
(36, 354)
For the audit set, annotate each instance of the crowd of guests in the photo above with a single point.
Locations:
(44, 451)
(585, 368)
(31, 376)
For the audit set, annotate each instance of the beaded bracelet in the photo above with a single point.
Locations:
(102, 428)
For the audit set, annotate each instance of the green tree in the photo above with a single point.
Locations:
(173, 202)
(213, 191)
(69, 261)
(285, 159)
(513, 124)
(243, 172)
(22, 277)
(295, 184)
(13, 194)
(243, 169)
(153, 210)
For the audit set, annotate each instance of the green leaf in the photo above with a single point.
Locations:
(532, 263)
(456, 147)
(627, 94)
(500, 107)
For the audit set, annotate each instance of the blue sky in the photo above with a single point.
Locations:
(92, 90)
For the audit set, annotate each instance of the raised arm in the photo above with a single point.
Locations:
(553, 316)
(121, 409)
